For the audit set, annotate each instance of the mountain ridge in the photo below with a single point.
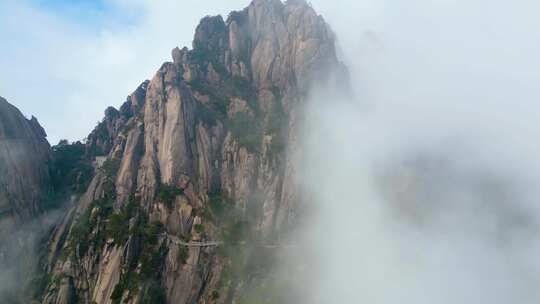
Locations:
(202, 152)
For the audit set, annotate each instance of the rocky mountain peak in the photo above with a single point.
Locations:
(199, 154)
(271, 43)
(209, 34)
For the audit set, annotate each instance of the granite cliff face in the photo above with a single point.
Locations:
(24, 159)
(199, 156)
(25, 186)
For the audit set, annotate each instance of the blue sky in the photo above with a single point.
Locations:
(71, 4)
(86, 11)
(89, 13)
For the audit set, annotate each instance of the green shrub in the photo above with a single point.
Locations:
(80, 233)
(117, 293)
(118, 223)
(246, 130)
(219, 101)
(151, 232)
(183, 254)
(198, 228)
(149, 256)
(109, 190)
(154, 295)
(167, 194)
(129, 281)
(110, 167)
(81, 237)
(71, 172)
(239, 86)
(207, 116)
(118, 227)
(151, 262)
(201, 56)
(214, 295)
(219, 206)
(204, 56)
(216, 204)
(201, 86)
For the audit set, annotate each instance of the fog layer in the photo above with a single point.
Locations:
(426, 181)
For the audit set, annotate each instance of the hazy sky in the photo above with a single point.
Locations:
(428, 180)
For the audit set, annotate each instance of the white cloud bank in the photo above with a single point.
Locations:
(428, 182)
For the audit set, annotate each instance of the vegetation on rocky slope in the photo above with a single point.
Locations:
(195, 156)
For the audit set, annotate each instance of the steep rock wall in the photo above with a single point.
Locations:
(25, 187)
(200, 153)
(24, 161)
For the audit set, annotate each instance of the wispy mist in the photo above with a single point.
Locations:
(21, 248)
(426, 182)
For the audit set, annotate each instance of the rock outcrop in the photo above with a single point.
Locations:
(25, 186)
(24, 163)
(200, 153)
